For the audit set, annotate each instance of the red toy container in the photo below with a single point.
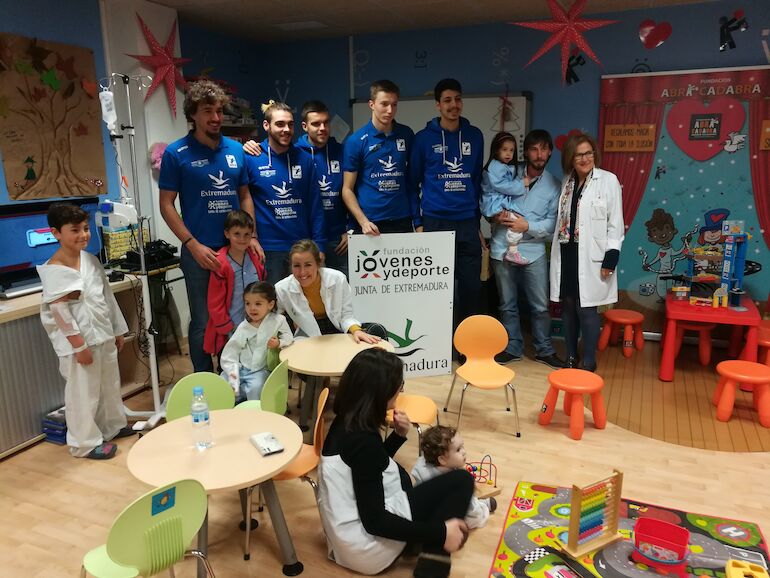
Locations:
(660, 544)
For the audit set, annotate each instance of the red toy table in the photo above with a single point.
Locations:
(682, 311)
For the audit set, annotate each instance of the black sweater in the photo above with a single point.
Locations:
(368, 456)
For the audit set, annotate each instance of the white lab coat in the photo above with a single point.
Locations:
(93, 404)
(248, 345)
(335, 294)
(601, 228)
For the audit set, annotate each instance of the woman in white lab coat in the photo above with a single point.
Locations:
(586, 245)
(318, 300)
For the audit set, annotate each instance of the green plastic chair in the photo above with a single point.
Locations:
(275, 393)
(218, 392)
(152, 534)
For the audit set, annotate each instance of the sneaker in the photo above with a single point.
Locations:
(492, 505)
(572, 362)
(516, 258)
(102, 452)
(505, 357)
(551, 361)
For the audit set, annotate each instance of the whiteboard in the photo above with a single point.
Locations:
(482, 111)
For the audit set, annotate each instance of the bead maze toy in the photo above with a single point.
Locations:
(485, 475)
(593, 520)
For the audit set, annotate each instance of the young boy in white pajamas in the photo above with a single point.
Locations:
(86, 328)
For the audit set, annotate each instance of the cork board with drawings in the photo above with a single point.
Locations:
(50, 121)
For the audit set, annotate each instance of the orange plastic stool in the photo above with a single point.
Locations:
(574, 383)
(704, 338)
(733, 373)
(631, 321)
(764, 341)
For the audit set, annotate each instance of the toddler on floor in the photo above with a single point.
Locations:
(443, 450)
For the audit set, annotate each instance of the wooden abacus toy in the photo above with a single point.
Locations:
(593, 518)
(485, 475)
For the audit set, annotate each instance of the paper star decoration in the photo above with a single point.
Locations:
(566, 29)
(163, 62)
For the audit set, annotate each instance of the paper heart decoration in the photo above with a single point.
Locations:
(562, 138)
(680, 115)
(653, 35)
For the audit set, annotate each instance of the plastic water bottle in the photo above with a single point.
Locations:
(199, 410)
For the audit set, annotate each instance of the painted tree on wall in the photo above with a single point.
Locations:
(50, 133)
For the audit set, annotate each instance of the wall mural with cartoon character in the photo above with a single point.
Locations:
(690, 153)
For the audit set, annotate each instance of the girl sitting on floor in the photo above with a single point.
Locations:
(369, 509)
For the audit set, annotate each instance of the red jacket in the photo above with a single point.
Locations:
(220, 297)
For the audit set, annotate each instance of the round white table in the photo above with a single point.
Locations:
(167, 453)
(319, 357)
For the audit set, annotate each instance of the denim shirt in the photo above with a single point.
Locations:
(539, 205)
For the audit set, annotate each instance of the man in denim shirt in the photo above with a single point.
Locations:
(535, 210)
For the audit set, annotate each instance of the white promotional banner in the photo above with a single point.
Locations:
(405, 281)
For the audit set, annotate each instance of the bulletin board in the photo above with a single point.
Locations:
(50, 121)
(691, 150)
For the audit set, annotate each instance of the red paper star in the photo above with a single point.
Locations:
(566, 29)
(163, 62)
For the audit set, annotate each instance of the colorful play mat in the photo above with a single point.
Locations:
(538, 519)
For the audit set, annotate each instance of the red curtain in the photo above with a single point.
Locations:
(759, 161)
(632, 169)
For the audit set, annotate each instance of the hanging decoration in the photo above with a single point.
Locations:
(566, 29)
(163, 63)
(653, 34)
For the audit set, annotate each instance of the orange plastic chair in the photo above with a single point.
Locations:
(480, 338)
(631, 321)
(704, 338)
(305, 462)
(419, 409)
(735, 372)
(574, 383)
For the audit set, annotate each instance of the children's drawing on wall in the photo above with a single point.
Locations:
(711, 241)
(661, 230)
(690, 155)
(50, 122)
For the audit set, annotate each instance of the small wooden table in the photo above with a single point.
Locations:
(167, 454)
(682, 311)
(319, 357)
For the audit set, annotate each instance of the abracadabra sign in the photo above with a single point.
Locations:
(405, 281)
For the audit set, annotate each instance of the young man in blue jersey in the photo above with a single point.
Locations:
(535, 217)
(446, 163)
(375, 187)
(327, 159)
(208, 173)
(281, 182)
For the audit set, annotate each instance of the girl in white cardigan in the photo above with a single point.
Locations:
(244, 358)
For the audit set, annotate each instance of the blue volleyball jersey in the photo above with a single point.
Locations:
(381, 163)
(286, 209)
(207, 182)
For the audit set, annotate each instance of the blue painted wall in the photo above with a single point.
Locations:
(292, 73)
